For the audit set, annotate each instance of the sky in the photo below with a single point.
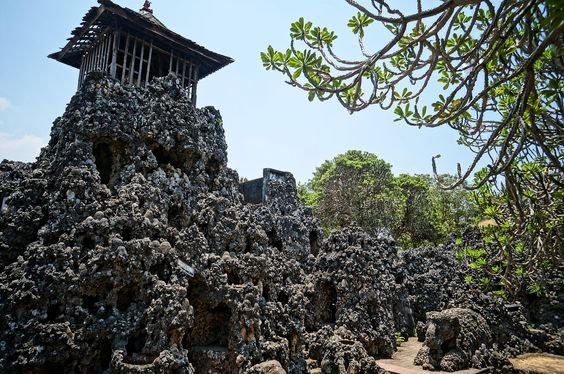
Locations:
(267, 122)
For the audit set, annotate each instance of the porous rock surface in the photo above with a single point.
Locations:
(451, 338)
(127, 248)
(435, 282)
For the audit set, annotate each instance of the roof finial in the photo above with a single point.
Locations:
(147, 7)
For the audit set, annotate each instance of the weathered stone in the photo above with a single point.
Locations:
(268, 367)
(127, 247)
(452, 336)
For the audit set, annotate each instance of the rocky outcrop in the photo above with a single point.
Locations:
(451, 339)
(435, 282)
(127, 247)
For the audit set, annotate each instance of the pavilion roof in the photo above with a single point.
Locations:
(109, 15)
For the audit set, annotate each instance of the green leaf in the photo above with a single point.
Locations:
(311, 95)
(535, 289)
(399, 112)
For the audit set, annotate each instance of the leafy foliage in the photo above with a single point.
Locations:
(500, 67)
(399, 339)
(522, 244)
(359, 187)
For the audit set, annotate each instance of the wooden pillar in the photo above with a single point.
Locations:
(190, 79)
(102, 53)
(171, 58)
(81, 75)
(89, 61)
(183, 73)
(149, 63)
(141, 63)
(195, 86)
(98, 53)
(91, 55)
(126, 51)
(108, 50)
(86, 61)
(92, 59)
(115, 47)
(132, 67)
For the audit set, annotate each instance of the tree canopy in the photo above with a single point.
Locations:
(492, 71)
(359, 187)
(500, 67)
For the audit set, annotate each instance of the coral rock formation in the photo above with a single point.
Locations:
(127, 247)
(451, 338)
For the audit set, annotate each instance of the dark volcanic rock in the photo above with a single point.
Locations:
(435, 282)
(451, 339)
(127, 248)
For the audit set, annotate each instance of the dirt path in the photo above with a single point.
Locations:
(540, 363)
(402, 361)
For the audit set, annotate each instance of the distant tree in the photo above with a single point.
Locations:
(454, 210)
(354, 187)
(417, 225)
(501, 68)
(359, 187)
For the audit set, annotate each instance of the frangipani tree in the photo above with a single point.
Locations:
(500, 67)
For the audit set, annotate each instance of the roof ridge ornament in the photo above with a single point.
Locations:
(147, 7)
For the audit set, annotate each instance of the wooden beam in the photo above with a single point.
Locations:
(102, 53)
(85, 65)
(93, 57)
(89, 61)
(183, 72)
(190, 77)
(141, 63)
(195, 86)
(108, 50)
(97, 56)
(81, 74)
(83, 29)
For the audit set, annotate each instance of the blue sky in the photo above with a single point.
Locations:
(267, 123)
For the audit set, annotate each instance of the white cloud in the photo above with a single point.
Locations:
(25, 148)
(4, 104)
